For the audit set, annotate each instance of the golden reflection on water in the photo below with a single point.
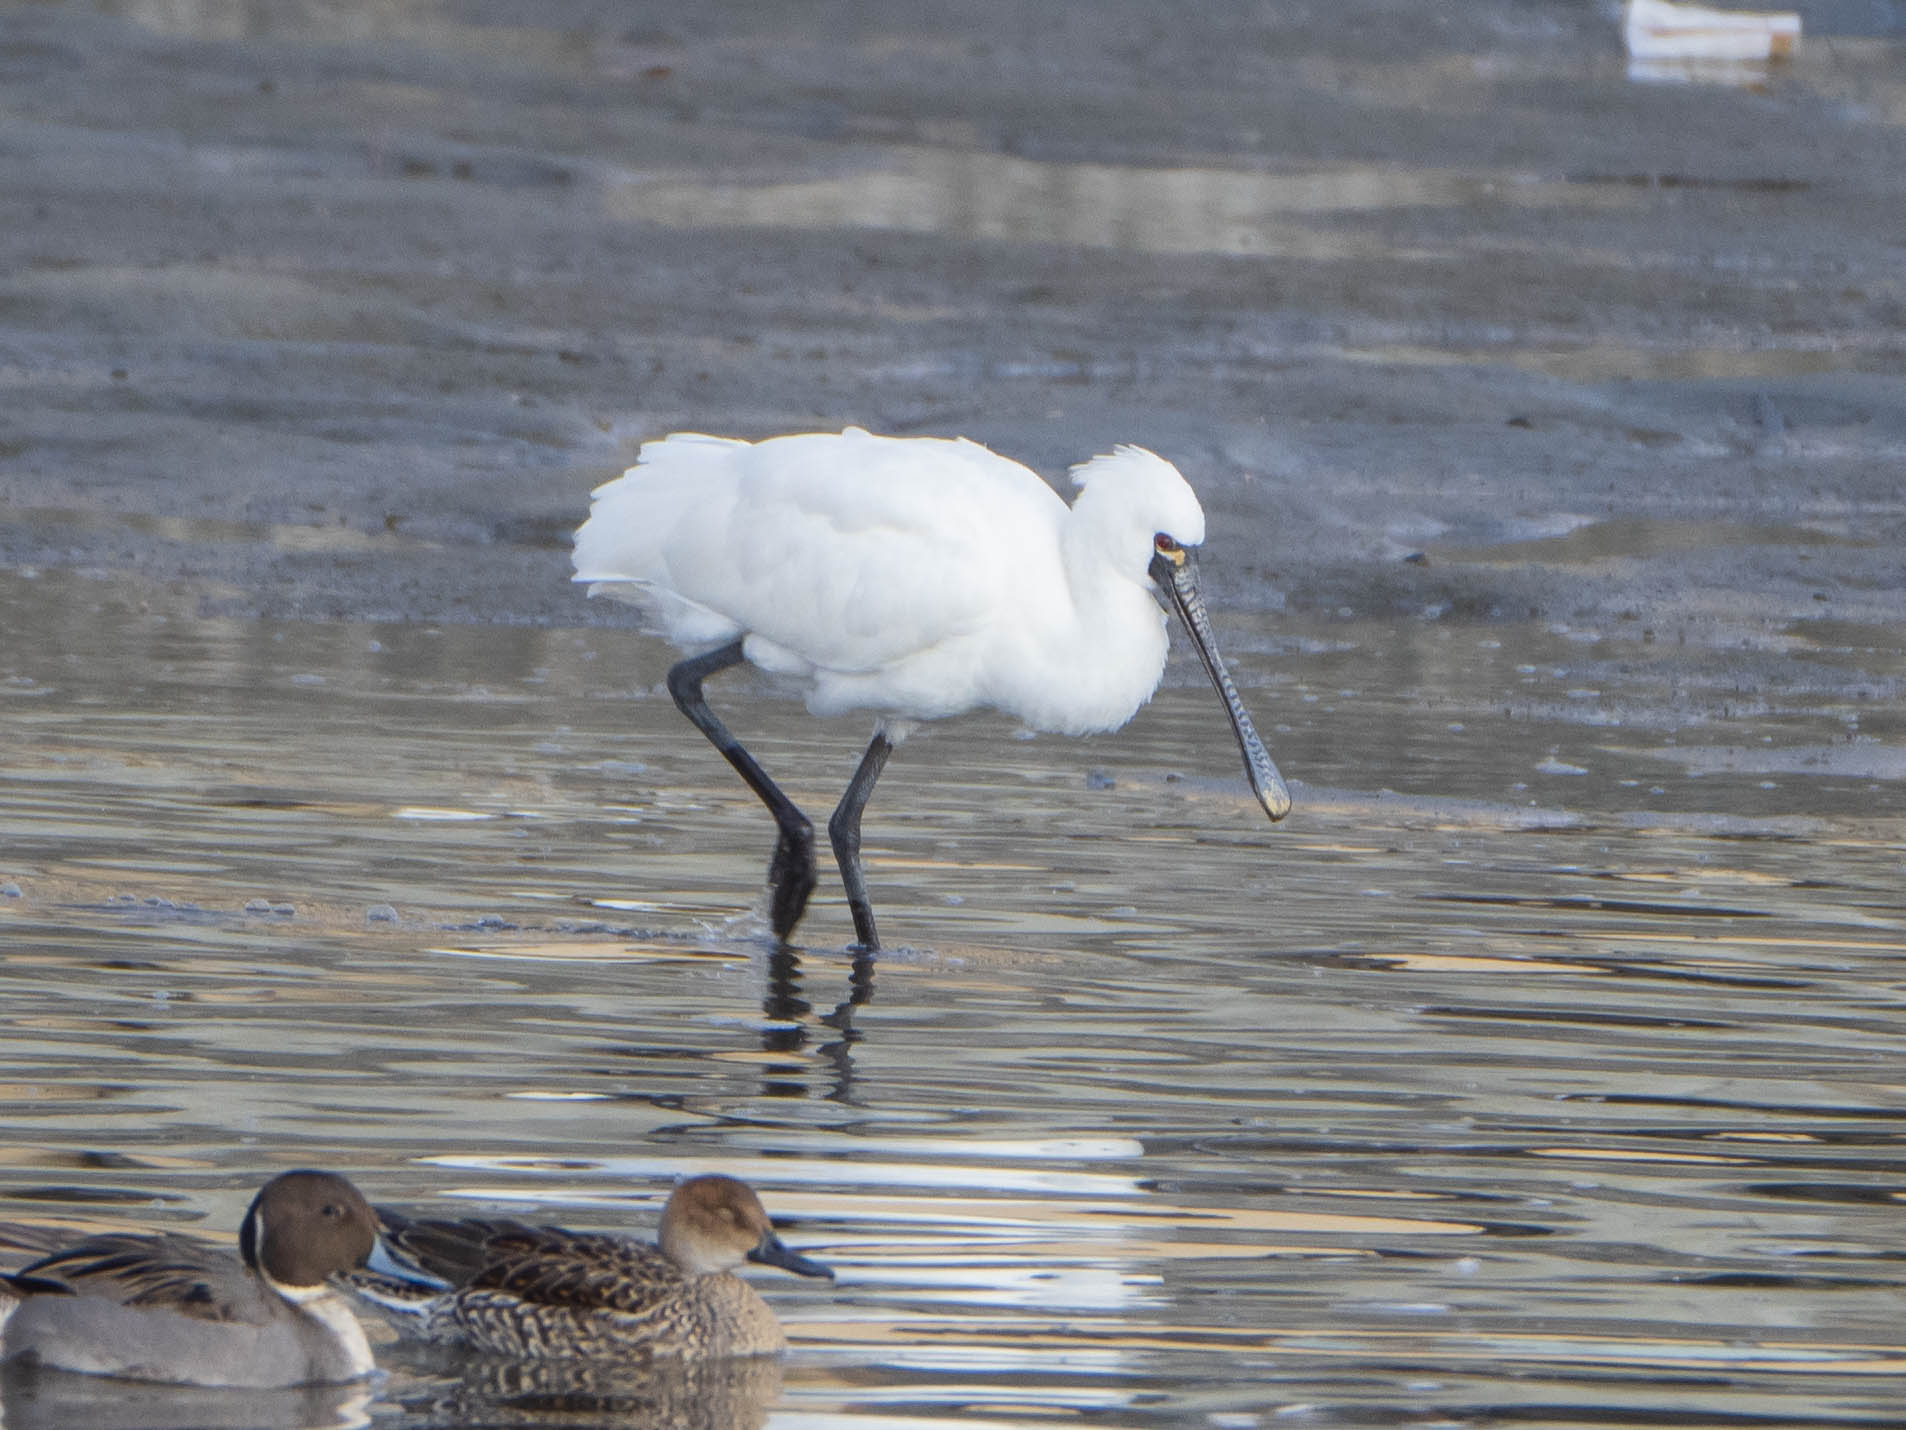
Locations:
(1422, 1346)
(1386, 1087)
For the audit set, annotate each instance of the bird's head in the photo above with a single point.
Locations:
(1131, 501)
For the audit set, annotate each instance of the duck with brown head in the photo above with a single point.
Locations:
(542, 1292)
(165, 1307)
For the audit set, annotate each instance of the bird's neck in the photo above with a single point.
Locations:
(1100, 653)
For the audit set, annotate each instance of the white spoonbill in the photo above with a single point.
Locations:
(916, 577)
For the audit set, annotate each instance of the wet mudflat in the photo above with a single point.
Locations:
(1568, 1098)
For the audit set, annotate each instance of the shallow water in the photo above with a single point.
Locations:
(1507, 1081)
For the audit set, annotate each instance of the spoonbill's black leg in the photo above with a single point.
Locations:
(844, 830)
(791, 873)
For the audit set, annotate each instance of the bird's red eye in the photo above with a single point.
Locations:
(1164, 542)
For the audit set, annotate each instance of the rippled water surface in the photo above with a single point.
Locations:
(1543, 1067)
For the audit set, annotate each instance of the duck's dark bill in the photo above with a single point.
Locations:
(774, 1252)
(1179, 580)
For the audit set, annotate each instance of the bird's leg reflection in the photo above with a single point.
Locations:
(791, 872)
(784, 1003)
(843, 829)
(860, 989)
(786, 1025)
(787, 1011)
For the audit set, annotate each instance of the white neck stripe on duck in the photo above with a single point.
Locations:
(251, 1241)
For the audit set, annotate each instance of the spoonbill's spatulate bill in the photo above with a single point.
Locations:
(913, 577)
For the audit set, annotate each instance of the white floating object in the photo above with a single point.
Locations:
(1660, 30)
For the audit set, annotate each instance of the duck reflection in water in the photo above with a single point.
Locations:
(665, 1393)
(38, 1398)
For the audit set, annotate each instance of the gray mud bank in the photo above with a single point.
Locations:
(339, 312)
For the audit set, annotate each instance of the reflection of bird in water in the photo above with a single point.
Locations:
(914, 577)
(786, 1028)
(665, 1393)
(164, 1307)
(541, 1292)
(56, 1400)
